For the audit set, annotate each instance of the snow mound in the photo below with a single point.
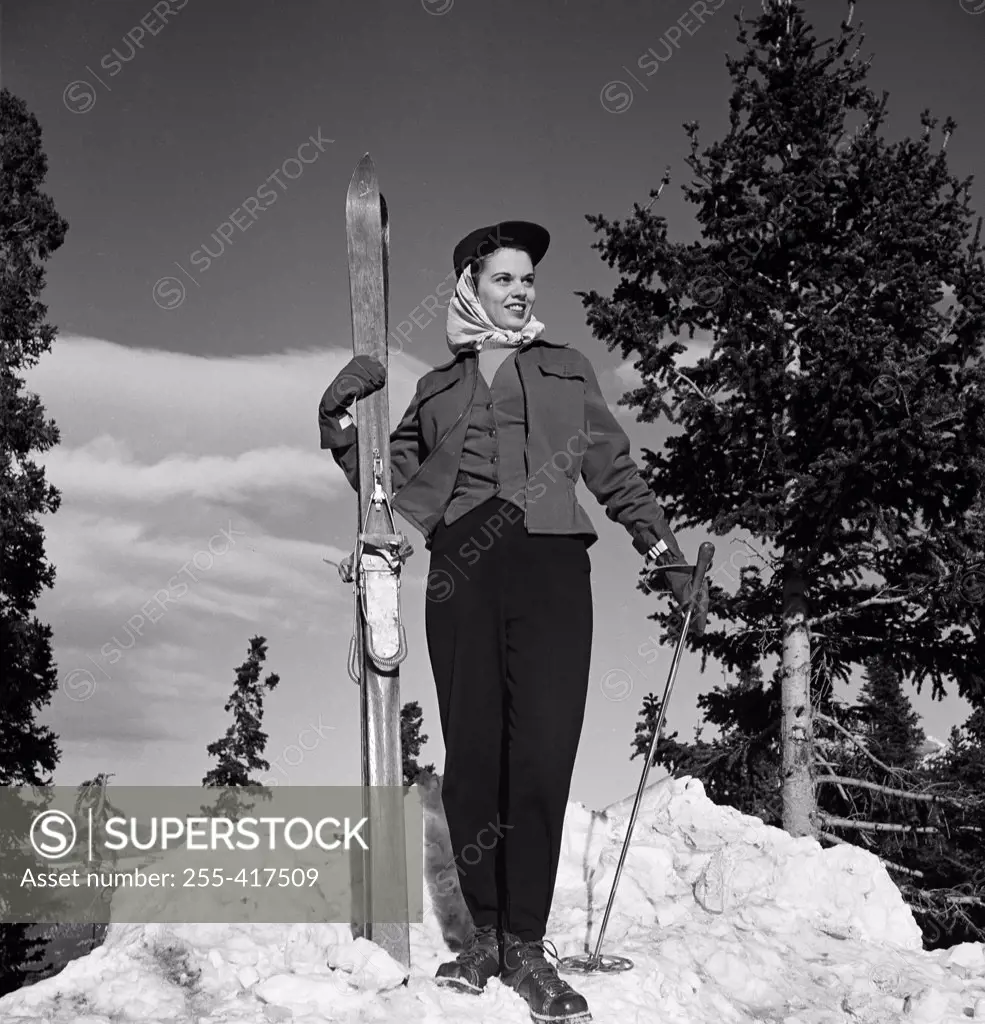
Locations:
(725, 919)
(759, 875)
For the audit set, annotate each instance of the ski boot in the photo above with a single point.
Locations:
(475, 965)
(528, 972)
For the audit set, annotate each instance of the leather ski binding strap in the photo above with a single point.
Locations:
(394, 548)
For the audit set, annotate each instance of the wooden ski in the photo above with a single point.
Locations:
(376, 564)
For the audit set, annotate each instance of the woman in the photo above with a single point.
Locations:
(485, 463)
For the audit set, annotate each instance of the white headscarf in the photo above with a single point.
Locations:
(469, 325)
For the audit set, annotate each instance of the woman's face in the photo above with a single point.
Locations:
(506, 288)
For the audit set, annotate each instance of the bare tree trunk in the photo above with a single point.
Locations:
(797, 733)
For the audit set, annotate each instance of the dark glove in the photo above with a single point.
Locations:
(360, 377)
(678, 582)
(699, 617)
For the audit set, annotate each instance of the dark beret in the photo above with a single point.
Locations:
(519, 234)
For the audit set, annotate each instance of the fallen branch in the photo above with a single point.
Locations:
(877, 826)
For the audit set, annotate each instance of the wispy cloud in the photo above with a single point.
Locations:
(105, 470)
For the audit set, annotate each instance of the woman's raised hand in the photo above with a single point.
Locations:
(361, 377)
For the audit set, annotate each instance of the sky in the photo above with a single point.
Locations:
(200, 151)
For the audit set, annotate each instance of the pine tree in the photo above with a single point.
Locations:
(411, 741)
(891, 725)
(239, 751)
(738, 767)
(31, 230)
(952, 863)
(886, 759)
(838, 418)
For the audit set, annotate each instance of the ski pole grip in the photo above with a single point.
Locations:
(706, 552)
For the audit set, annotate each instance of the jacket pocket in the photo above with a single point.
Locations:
(563, 371)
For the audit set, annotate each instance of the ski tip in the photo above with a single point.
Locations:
(363, 181)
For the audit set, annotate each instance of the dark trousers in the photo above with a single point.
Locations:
(509, 631)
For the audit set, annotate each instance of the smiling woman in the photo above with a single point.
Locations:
(509, 613)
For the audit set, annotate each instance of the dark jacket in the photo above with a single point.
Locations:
(570, 433)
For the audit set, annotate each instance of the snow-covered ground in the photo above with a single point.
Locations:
(725, 919)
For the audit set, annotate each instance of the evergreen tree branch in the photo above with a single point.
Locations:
(694, 386)
(907, 794)
(869, 602)
(858, 743)
(771, 564)
(832, 777)
(922, 902)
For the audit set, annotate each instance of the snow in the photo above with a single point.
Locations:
(726, 920)
(931, 750)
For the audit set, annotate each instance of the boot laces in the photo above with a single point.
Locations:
(475, 950)
(535, 956)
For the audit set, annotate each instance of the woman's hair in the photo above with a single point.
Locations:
(478, 263)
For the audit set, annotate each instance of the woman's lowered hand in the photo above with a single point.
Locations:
(678, 581)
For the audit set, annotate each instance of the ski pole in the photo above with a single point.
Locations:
(595, 961)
